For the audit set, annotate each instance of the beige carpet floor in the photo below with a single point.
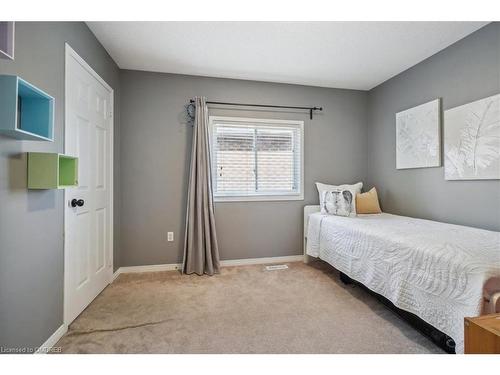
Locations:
(246, 309)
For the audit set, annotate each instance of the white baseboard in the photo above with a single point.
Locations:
(223, 263)
(52, 340)
(244, 262)
(150, 268)
(115, 275)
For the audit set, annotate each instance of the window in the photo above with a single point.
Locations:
(256, 159)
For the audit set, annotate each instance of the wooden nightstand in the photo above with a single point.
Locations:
(482, 334)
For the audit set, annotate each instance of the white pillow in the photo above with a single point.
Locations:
(354, 189)
(338, 202)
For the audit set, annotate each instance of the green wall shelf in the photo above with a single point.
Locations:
(51, 171)
(26, 112)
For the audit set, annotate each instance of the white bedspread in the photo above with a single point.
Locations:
(434, 270)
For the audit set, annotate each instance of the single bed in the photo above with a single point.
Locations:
(434, 270)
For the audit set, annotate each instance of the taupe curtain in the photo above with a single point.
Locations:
(201, 253)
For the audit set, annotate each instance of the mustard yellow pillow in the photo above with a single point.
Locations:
(367, 203)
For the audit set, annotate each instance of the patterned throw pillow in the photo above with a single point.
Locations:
(337, 202)
(354, 189)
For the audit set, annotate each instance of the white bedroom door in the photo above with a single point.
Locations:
(88, 243)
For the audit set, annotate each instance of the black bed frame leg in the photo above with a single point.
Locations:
(345, 279)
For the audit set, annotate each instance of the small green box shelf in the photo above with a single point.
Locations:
(51, 171)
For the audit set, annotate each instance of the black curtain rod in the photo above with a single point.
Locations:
(310, 109)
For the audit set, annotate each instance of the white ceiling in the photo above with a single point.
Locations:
(354, 55)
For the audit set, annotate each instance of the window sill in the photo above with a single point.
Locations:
(259, 198)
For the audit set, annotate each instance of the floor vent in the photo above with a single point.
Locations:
(276, 267)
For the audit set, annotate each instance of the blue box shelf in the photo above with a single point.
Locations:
(26, 112)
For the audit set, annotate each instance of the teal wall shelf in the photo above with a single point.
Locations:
(52, 171)
(26, 112)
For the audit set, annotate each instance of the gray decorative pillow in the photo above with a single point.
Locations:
(354, 189)
(337, 202)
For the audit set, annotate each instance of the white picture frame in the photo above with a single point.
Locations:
(418, 136)
(472, 140)
(7, 39)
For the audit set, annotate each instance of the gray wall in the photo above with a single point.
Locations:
(31, 222)
(155, 146)
(466, 71)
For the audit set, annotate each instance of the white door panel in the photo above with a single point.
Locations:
(88, 229)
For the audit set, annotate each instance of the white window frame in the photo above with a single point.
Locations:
(295, 196)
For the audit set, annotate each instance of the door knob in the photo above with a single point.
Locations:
(77, 202)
